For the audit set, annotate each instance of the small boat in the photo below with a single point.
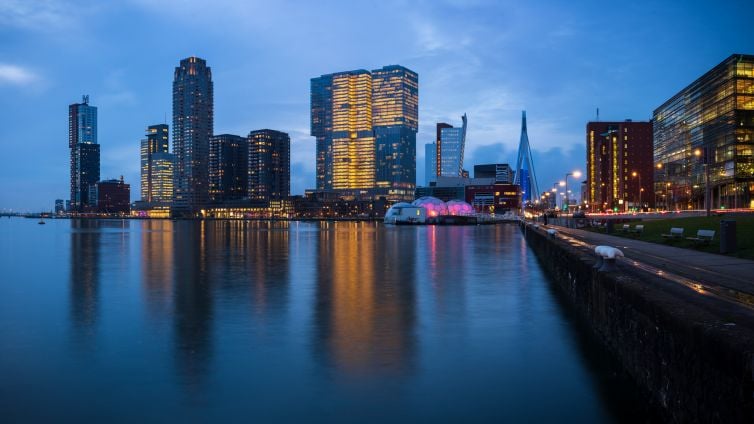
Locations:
(41, 222)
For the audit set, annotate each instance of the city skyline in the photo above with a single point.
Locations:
(491, 67)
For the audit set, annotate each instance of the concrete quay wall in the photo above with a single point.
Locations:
(691, 354)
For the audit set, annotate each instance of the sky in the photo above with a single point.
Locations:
(558, 60)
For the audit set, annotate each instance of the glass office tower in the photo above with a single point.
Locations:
(85, 153)
(450, 149)
(156, 166)
(704, 140)
(192, 128)
(395, 115)
(365, 124)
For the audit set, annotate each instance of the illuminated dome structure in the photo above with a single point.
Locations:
(459, 208)
(431, 210)
(434, 206)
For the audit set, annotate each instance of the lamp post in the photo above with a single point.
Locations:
(637, 174)
(574, 174)
(707, 191)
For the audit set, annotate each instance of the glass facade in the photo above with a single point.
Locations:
(450, 150)
(228, 167)
(365, 124)
(706, 133)
(84, 153)
(192, 127)
(156, 166)
(269, 170)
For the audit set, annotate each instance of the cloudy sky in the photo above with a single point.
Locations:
(559, 60)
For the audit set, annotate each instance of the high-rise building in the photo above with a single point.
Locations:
(228, 167)
(395, 116)
(321, 128)
(156, 167)
(269, 170)
(450, 149)
(438, 146)
(619, 173)
(501, 172)
(704, 140)
(365, 124)
(430, 163)
(85, 153)
(192, 128)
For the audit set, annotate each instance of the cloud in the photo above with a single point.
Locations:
(35, 15)
(16, 75)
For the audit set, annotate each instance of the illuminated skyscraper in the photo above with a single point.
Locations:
(156, 167)
(228, 167)
(365, 124)
(85, 153)
(269, 169)
(395, 117)
(192, 128)
(450, 149)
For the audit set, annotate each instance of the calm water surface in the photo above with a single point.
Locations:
(352, 322)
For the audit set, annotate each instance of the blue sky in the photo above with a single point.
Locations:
(489, 59)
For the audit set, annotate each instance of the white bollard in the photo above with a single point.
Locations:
(606, 256)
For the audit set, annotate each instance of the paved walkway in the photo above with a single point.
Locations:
(708, 268)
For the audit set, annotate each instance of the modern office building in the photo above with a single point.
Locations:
(438, 146)
(269, 165)
(59, 206)
(228, 167)
(450, 148)
(501, 172)
(111, 196)
(192, 129)
(84, 153)
(365, 124)
(704, 140)
(395, 117)
(430, 163)
(156, 167)
(620, 171)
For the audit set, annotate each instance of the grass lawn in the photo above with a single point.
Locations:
(653, 228)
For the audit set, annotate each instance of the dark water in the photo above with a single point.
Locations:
(353, 322)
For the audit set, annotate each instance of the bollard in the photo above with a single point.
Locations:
(607, 255)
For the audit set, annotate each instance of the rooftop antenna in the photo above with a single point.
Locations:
(598, 114)
(85, 99)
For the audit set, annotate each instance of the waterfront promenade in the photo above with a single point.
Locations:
(732, 278)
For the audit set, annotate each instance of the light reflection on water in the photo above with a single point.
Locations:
(315, 321)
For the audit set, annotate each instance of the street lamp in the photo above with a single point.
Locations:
(636, 174)
(574, 174)
(707, 191)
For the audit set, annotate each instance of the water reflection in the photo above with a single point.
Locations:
(84, 277)
(192, 302)
(157, 266)
(364, 313)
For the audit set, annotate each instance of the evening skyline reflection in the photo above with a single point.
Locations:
(287, 321)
